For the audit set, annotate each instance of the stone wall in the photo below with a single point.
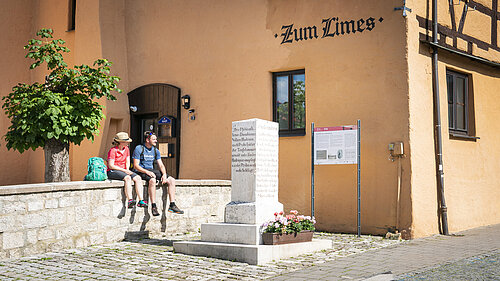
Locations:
(38, 218)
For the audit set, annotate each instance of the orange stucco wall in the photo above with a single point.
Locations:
(223, 54)
(470, 167)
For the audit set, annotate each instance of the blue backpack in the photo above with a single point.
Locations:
(96, 170)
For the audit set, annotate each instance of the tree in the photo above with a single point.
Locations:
(60, 111)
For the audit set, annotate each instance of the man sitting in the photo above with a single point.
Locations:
(144, 157)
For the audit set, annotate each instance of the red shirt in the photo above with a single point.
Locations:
(120, 156)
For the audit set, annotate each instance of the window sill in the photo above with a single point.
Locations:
(458, 136)
(292, 133)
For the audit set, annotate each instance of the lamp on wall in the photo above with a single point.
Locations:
(186, 101)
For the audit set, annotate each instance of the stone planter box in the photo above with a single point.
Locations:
(277, 239)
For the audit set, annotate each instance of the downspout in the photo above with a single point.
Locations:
(439, 152)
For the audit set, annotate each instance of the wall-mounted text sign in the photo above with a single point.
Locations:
(330, 27)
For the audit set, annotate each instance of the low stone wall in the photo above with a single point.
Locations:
(38, 218)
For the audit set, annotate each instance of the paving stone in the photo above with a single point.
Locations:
(350, 258)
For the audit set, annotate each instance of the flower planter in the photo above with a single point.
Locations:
(277, 239)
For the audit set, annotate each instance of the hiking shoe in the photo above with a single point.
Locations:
(142, 204)
(131, 203)
(154, 210)
(175, 209)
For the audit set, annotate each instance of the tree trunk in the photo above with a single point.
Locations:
(56, 161)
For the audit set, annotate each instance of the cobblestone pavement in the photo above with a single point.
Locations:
(481, 267)
(154, 259)
(441, 254)
(351, 258)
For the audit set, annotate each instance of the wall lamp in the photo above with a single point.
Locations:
(186, 101)
(133, 108)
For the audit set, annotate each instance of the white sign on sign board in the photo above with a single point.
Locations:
(335, 145)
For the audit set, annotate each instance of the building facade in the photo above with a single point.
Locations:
(294, 62)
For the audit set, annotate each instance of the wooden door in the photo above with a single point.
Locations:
(148, 105)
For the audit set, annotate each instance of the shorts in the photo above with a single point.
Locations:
(119, 175)
(147, 178)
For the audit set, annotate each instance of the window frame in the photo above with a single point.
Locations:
(469, 131)
(71, 15)
(290, 131)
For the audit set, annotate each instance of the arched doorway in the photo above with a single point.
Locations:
(156, 107)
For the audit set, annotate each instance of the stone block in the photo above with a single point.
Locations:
(8, 223)
(82, 241)
(82, 213)
(70, 216)
(251, 254)
(57, 217)
(102, 210)
(12, 240)
(68, 201)
(46, 233)
(15, 253)
(51, 203)
(34, 220)
(32, 236)
(112, 194)
(35, 205)
(89, 226)
(68, 232)
(108, 223)
(96, 238)
(12, 206)
(231, 233)
(115, 235)
(254, 163)
(118, 208)
(59, 245)
(254, 172)
(251, 213)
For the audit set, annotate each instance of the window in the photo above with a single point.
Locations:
(71, 15)
(289, 102)
(460, 105)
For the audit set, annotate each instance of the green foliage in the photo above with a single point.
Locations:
(64, 106)
(299, 108)
(299, 104)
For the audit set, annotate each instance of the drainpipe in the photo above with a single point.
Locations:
(439, 154)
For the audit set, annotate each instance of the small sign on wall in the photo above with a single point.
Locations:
(166, 149)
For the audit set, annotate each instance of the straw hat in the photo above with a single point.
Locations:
(122, 137)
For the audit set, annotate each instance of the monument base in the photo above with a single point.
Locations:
(237, 233)
(251, 254)
(251, 212)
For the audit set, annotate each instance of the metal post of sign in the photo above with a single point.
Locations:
(312, 169)
(359, 178)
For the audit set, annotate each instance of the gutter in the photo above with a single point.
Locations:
(437, 133)
(472, 57)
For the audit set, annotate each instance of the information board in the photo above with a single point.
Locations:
(335, 145)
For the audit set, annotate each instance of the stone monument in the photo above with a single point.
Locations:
(254, 200)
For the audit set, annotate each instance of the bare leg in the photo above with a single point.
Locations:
(171, 188)
(138, 187)
(152, 190)
(128, 187)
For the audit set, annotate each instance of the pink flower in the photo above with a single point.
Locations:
(294, 212)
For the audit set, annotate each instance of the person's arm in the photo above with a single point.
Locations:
(112, 166)
(163, 171)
